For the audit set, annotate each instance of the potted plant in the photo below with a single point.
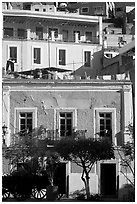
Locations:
(52, 162)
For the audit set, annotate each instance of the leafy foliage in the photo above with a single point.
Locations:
(85, 152)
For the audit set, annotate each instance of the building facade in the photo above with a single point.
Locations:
(34, 39)
(89, 107)
(64, 41)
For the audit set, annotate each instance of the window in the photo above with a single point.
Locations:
(87, 57)
(105, 120)
(13, 53)
(39, 32)
(8, 32)
(37, 55)
(44, 10)
(105, 123)
(55, 32)
(65, 119)
(21, 33)
(36, 9)
(25, 121)
(62, 57)
(84, 10)
(65, 35)
(89, 36)
(26, 6)
(99, 10)
(108, 55)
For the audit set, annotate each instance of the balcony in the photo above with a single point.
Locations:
(44, 134)
(52, 36)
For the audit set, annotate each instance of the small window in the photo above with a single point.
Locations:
(8, 32)
(105, 121)
(26, 6)
(39, 32)
(84, 10)
(89, 36)
(36, 9)
(108, 55)
(21, 33)
(37, 54)
(65, 124)
(25, 121)
(99, 10)
(13, 53)
(55, 33)
(62, 57)
(87, 57)
(44, 10)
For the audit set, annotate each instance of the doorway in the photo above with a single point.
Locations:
(108, 179)
(60, 178)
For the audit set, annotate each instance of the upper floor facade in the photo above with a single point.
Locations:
(50, 40)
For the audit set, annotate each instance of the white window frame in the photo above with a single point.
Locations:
(17, 112)
(9, 46)
(96, 121)
(66, 110)
(62, 48)
(33, 55)
(84, 8)
(84, 57)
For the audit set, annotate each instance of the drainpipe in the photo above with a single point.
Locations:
(100, 31)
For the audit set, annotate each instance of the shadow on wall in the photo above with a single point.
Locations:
(127, 193)
(119, 138)
(93, 69)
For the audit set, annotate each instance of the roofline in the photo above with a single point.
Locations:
(82, 82)
(54, 15)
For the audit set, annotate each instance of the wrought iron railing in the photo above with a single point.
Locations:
(43, 134)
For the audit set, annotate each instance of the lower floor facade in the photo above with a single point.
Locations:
(91, 108)
(107, 178)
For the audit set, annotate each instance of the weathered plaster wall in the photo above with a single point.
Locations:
(83, 102)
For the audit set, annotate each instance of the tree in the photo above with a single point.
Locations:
(85, 153)
(126, 153)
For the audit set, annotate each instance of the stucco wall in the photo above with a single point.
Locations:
(50, 55)
(84, 102)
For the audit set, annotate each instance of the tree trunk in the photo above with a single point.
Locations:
(87, 186)
(86, 183)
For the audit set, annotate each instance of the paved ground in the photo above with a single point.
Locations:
(61, 200)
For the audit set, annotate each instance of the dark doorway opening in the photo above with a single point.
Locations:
(60, 178)
(108, 179)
